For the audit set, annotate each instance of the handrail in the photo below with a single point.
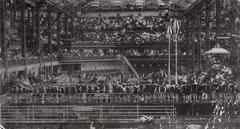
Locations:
(131, 67)
(77, 58)
(29, 61)
(106, 98)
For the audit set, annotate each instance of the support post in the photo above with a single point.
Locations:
(59, 14)
(169, 60)
(176, 61)
(59, 32)
(187, 31)
(218, 16)
(37, 39)
(50, 39)
(72, 27)
(199, 43)
(235, 30)
(34, 27)
(66, 26)
(207, 21)
(23, 36)
(3, 35)
(193, 47)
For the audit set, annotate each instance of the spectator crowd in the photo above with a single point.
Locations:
(205, 85)
(131, 52)
(123, 30)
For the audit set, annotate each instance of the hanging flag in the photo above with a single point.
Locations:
(169, 28)
(175, 27)
(169, 31)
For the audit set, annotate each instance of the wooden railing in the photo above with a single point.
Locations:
(116, 98)
(29, 62)
(90, 58)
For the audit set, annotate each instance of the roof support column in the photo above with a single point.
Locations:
(59, 14)
(37, 39)
(199, 43)
(218, 18)
(23, 36)
(188, 39)
(33, 11)
(193, 47)
(59, 32)
(3, 35)
(66, 25)
(49, 23)
(207, 20)
(72, 28)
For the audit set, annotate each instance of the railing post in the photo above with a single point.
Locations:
(28, 113)
(57, 98)
(1, 114)
(33, 112)
(67, 113)
(101, 114)
(137, 111)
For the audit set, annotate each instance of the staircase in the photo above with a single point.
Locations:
(125, 60)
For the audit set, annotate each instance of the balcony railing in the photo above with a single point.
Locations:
(89, 58)
(15, 63)
(160, 57)
(108, 98)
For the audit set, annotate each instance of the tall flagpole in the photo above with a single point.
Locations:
(175, 32)
(169, 59)
(176, 48)
(169, 33)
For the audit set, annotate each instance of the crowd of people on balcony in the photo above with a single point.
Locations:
(123, 37)
(131, 52)
(215, 81)
(89, 52)
(16, 56)
(123, 30)
(118, 23)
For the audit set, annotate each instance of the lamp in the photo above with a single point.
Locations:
(217, 50)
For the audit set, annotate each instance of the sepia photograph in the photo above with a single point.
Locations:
(119, 64)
